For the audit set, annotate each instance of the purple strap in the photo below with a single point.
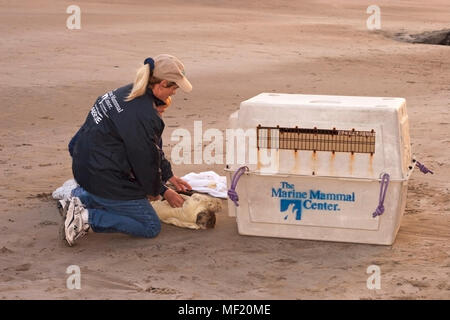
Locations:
(232, 194)
(384, 185)
(422, 168)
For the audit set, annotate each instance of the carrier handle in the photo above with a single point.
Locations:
(383, 187)
(232, 194)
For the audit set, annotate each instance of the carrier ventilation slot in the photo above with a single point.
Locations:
(316, 139)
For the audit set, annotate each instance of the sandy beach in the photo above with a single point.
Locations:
(232, 50)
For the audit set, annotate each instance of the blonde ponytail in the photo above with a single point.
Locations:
(140, 82)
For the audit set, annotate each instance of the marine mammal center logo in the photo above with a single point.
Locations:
(293, 201)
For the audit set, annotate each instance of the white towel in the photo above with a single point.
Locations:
(208, 182)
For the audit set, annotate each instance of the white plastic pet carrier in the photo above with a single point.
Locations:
(316, 167)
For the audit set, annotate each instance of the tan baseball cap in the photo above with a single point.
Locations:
(169, 68)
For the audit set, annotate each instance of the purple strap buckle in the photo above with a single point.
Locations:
(422, 168)
(383, 187)
(232, 194)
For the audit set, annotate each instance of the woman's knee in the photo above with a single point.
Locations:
(153, 229)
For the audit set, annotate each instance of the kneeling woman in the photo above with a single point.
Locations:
(118, 159)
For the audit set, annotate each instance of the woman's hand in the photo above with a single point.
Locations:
(173, 198)
(180, 184)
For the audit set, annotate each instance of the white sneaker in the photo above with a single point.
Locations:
(63, 206)
(74, 227)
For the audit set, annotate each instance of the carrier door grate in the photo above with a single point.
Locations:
(333, 140)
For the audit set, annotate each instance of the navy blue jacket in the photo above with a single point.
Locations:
(117, 153)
